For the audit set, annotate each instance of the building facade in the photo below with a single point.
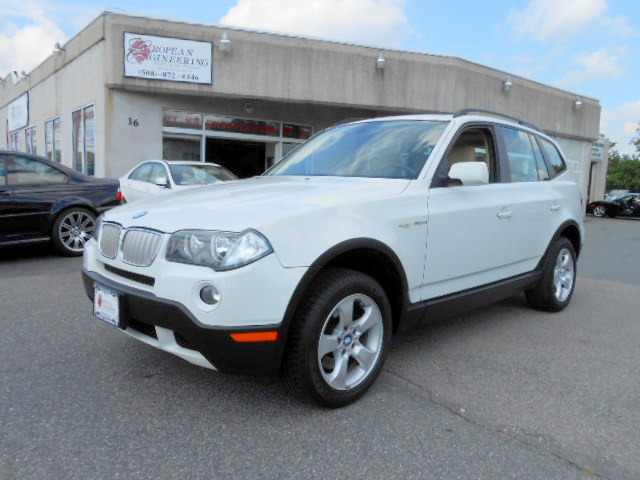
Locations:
(129, 88)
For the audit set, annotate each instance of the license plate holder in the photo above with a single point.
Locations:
(106, 305)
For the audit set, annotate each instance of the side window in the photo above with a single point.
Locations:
(474, 145)
(553, 157)
(3, 172)
(543, 173)
(141, 173)
(26, 171)
(157, 172)
(520, 154)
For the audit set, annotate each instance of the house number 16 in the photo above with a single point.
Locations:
(134, 122)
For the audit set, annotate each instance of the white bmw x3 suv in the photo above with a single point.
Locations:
(366, 228)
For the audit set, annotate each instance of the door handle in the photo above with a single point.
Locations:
(506, 214)
(555, 207)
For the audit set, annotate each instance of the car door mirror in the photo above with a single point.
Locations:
(469, 173)
(163, 182)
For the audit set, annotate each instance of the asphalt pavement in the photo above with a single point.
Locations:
(504, 392)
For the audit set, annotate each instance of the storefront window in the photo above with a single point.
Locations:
(31, 140)
(14, 141)
(48, 139)
(181, 149)
(57, 140)
(83, 137)
(178, 119)
(301, 132)
(241, 125)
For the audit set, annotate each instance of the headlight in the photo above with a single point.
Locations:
(218, 250)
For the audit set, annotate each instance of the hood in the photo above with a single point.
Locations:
(250, 203)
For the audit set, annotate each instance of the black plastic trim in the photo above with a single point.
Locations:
(134, 277)
(214, 343)
(460, 302)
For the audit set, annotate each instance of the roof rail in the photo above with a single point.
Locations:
(466, 111)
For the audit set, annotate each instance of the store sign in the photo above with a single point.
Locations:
(18, 113)
(179, 119)
(241, 125)
(597, 151)
(296, 131)
(163, 58)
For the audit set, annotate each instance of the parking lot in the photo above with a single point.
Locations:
(504, 392)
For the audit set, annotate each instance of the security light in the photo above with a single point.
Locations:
(24, 74)
(58, 49)
(381, 61)
(578, 103)
(507, 83)
(225, 43)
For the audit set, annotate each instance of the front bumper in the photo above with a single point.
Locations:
(170, 326)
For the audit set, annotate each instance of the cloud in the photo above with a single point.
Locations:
(620, 124)
(619, 26)
(27, 35)
(547, 19)
(603, 63)
(378, 22)
(30, 28)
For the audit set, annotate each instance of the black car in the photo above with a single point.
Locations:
(43, 201)
(626, 204)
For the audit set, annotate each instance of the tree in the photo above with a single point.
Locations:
(624, 170)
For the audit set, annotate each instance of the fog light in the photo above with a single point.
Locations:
(210, 295)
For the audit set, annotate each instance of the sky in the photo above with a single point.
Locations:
(589, 47)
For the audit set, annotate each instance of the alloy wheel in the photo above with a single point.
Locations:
(350, 342)
(563, 275)
(76, 228)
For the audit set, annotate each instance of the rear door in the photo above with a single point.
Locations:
(536, 203)
(36, 187)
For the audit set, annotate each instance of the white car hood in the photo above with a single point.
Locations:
(250, 203)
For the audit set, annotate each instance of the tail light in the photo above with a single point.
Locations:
(120, 196)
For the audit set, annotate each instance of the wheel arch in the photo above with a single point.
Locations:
(365, 255)
(571, 231)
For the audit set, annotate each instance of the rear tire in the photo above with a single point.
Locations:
(71, 230)
(339, 338)
(554, 290)
(599, 211)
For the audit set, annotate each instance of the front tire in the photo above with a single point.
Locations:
(554, 290)
(339, 338)
(71, 230)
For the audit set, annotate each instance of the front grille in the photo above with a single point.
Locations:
(136, 277)
(140, 247)
(109, 237)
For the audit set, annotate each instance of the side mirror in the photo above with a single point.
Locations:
(469, 173)
(163, 182)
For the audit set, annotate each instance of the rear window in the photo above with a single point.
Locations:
(553, 157)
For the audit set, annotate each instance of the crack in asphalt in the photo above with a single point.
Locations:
(457, 413)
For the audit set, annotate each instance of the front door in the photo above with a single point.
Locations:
(470, 233)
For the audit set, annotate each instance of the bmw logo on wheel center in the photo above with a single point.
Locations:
(139, 214)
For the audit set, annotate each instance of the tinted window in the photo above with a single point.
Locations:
(543, 173)
(473, 145)
(3, 174)
(142, 172)
(553, 156)
(26, 171)
(200, 174)
(378, 149)
(520, 154)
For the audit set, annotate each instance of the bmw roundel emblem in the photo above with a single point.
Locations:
(139, 214)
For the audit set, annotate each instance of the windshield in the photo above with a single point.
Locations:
(384, 149)
(199, 174)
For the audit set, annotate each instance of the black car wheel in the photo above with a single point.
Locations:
(599, 210)
(71, 230)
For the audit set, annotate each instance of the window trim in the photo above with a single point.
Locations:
(439, 179)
